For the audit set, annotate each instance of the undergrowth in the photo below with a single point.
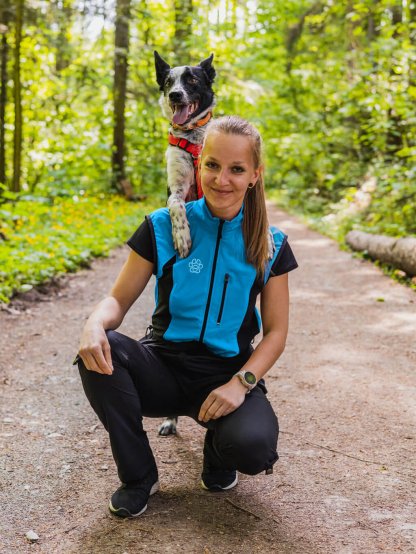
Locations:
(41, 238)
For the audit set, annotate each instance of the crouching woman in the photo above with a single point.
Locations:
(198, 359)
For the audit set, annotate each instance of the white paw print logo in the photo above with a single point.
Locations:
(195, 265)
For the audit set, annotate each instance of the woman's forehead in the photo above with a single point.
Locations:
(218, 143)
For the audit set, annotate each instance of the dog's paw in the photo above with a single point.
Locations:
(270, 242)
(182, 239)
(168, 427)
(181, 233)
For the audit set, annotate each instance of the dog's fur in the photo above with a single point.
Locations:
(186, 99)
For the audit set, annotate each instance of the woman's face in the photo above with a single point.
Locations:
(227, 168)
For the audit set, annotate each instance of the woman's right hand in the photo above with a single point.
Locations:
(95, 349)
(109, 313)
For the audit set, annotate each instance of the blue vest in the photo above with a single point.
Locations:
(210, 296)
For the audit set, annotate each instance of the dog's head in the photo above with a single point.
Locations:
(186, 90)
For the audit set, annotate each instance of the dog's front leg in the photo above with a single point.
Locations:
(181, 234)
(180, 179)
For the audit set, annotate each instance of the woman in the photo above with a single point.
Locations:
(198, 359)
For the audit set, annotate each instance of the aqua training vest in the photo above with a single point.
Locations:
(209, 296)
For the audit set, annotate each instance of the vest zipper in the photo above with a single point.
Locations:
(211, 285)
(224, 291)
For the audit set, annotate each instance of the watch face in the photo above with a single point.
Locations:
(250, 378)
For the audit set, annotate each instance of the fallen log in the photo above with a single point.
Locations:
(400, 253)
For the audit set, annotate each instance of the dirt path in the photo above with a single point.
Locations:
(344, 391)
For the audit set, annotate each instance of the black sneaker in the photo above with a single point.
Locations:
(130, 500)
(219, 480)
(214, 478)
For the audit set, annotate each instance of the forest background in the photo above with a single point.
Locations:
(330, 84)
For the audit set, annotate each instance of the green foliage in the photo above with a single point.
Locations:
(331, 86)
(43, 237)
(344, 112)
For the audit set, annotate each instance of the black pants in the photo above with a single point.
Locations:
(155, 379)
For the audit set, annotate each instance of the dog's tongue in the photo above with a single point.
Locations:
(181, 114)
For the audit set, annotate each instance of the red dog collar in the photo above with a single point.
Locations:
(195, 151)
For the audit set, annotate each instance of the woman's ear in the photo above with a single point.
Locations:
(257, 173)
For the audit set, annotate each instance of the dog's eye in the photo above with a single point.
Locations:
(192, 81)
(168, 82)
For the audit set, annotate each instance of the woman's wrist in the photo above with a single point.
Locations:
(238, 384)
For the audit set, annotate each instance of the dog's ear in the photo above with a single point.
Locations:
(208, 68)
(162, 69)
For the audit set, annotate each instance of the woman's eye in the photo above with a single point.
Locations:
(211, 165)
(238, 169)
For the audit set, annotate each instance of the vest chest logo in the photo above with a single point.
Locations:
(195, 265)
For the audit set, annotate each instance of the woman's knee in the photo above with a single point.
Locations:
(94, 381)
(249, 452)
(118, 350)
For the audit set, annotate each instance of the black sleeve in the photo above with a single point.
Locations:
(142, 243)
(284, 262)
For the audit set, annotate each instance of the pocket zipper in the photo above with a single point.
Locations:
(224, 290)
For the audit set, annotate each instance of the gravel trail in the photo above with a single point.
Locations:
(344, 391)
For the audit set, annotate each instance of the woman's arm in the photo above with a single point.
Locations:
(109, 313)
(275, 320)
(274, 308)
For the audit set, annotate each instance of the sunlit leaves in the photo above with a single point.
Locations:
(331, 86)
(41, 238)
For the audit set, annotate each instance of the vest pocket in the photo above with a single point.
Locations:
(224, 292)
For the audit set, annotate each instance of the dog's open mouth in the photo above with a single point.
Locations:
(183, 112)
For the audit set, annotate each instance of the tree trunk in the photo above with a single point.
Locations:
(120, 85)
(374, 20)
(400, 253)
(412, 14)
(396, 17)
(183, 31)
(17, 152)
(63, 49)
(4, 21)
(394, 138)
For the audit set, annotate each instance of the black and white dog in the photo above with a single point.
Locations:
(187, 101)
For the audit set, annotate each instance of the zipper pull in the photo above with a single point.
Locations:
(224, 290)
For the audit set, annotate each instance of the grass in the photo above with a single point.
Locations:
(41, 238)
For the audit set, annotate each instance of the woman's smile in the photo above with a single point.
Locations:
(221, 192)
(227, 170)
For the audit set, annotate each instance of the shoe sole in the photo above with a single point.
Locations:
(218, 488)
(123, 512)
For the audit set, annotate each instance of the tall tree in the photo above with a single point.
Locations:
(183, 30)
(18, 132)
(120, 86)
(4, 23)
(64, 13)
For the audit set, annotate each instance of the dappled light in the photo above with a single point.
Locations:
(104, 108)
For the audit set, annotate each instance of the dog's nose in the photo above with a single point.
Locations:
(175, 96)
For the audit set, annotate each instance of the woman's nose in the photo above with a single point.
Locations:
(222, 177)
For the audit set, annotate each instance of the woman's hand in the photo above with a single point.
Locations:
(95, 349)
(109, 313)
(223, 400)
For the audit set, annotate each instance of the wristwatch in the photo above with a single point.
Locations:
(248, 379)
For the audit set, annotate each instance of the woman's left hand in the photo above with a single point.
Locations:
(223, 400)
